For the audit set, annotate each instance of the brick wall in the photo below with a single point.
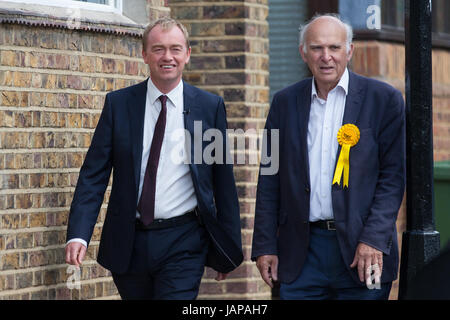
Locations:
(386, 61)
(230, 58)
(157, 9)
(52, 83)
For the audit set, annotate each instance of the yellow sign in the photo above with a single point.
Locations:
(348, 136)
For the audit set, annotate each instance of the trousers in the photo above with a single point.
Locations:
(325, 276)
(166, 264)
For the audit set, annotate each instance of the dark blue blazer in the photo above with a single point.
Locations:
(367, 210)
(117, 146)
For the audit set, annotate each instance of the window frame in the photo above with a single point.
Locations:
(386, 33)
(74, 4)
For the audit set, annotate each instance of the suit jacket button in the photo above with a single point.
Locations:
(307, 189)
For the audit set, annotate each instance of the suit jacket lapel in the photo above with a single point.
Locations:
(353, 100)
(136, 109)
(352, 108)
(192, 113)
(303, 109)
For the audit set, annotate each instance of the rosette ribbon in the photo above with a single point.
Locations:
(348, 136)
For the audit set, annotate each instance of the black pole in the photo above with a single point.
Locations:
(420, 241)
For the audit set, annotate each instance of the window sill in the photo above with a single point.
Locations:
(64, 18)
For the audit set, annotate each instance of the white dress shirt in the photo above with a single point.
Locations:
(325, 120)
(175, 193)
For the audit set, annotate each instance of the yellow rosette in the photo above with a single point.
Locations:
(348, 136)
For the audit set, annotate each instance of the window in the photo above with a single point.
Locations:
(285, 63)
(392, 16)
(96, 5)
(441, 17)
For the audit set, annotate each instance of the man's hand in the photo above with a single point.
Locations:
(367, 259)
(221, 276)
(268, 267)
(75, 252)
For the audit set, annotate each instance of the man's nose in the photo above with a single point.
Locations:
(167, 55)
(326, 55)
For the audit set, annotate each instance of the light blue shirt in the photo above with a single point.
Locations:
(325, 120)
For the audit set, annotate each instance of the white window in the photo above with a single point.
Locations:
(97, 5)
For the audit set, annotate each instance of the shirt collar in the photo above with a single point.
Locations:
(153, 92)
(343, 83)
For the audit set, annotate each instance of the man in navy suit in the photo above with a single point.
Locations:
(166, 219)
(325, 224)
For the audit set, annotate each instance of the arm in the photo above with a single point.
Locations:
(264, 247)
(91, 185)
(267, 196)
(375, 238)
(225, 194)
(388, 196)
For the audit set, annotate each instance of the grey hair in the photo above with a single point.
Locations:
(303, 28)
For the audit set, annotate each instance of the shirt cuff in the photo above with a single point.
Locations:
(84, 243)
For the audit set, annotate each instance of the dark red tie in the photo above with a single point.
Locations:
(146, 206)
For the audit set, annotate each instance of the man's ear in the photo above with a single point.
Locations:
(350, 53)
(302, 53)
(144, 56)
(188, 55)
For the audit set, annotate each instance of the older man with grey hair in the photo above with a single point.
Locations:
(325, 223)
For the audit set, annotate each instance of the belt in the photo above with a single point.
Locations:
(168, 223)
(324, 224)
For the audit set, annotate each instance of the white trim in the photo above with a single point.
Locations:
(119, 5)
(73, 4)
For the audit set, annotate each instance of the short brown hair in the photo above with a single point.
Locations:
(166, 23)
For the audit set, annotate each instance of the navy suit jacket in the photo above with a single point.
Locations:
(366, 211)
(117, 146)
